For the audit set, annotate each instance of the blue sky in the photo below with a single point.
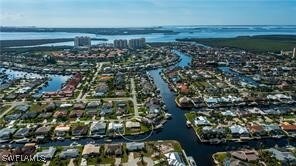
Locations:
(133, 13)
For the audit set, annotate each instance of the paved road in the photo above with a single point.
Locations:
(134, 97)
(6, 111)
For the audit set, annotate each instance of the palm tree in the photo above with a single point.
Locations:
(142, 158)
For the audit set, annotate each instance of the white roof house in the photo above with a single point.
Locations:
(201, 120)
(237, 129)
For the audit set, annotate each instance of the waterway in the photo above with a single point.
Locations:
(54, 84)
(226, 70)
(175, 129)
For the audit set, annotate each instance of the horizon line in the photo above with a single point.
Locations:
(154, 26)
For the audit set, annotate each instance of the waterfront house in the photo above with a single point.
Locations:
(245, 155)
(79, 130)
(26, 151)
(61, 130)
(133, 125)
(201, 121)
(174, 159)
(289, 128)
(256, 130)
(238, 130)
(211, 133)
(46, 153)
(22, 132)
(115, 127)
(98, 128)
(69, 153)
(184, 102)
(135, 146)
(6, 133)
(285, 157)
(113, 149)
(90, 150)
(273, 129)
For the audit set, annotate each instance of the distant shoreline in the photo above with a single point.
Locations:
(257, 43)
(36, 42)
(96, 31)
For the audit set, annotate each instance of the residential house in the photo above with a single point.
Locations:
(60, 114)
(228, 113)
(50, 107)
(12, 117)
(273, 129)
(43, 131)
(101, 89)
(76, 113)
(45, 115)
(256, 130)
(113, 149)
(29, 115)
(106, 108)
(6, 133)
(289, 128)
(26, 151)
(201, 121)
(285, 157)
(174, 159)
(91, 150)
(211, 133)
(61, 130)
(98, 128)
(115, 127)
(245, 155)
(133, 125)
(47, 153)
(93, 105)
(69, 153)
(79, 106)
(135, 146)
(22, 108)
(79, 130)
(238, 130)
(22, 132)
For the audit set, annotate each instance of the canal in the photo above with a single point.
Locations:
(175, 129)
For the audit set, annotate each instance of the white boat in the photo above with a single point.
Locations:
(108, 140)
(22, 140)
(191, 161)
(188, 124)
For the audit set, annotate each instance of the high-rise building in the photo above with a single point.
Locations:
(82, 41)
(137, 43)
(120, 43)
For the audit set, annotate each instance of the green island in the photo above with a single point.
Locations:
(258, 43)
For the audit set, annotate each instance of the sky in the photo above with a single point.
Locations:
(142, 13)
